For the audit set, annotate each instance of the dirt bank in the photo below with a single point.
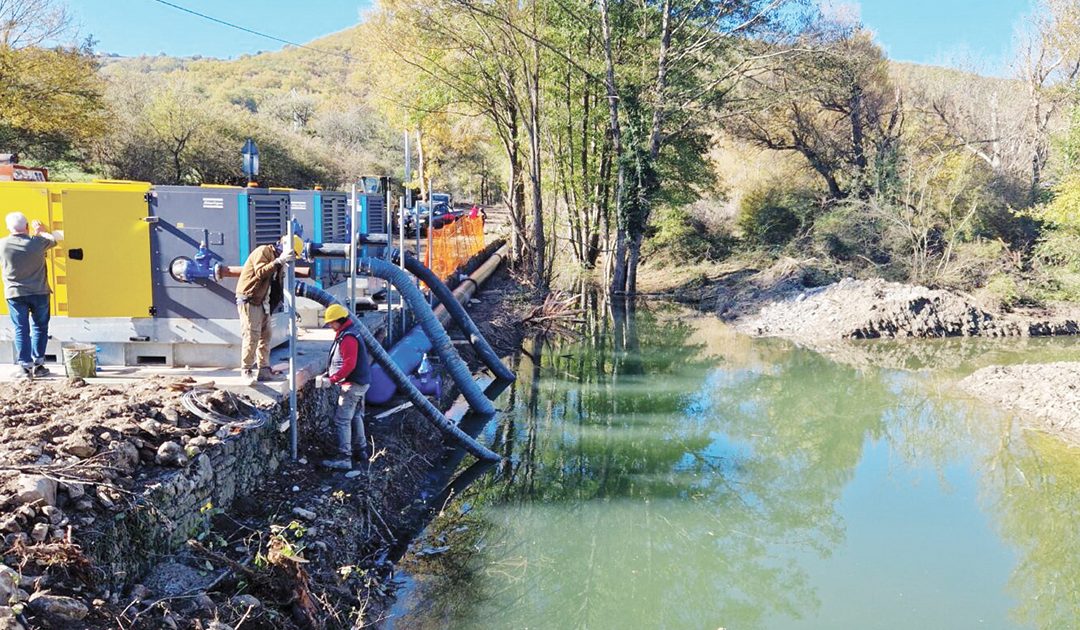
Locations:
(1046, 394)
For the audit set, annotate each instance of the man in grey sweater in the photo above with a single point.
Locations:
(26, 287)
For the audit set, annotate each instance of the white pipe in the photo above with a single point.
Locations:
(290, 294)
(355, 229)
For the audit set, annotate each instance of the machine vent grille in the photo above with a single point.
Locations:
(269, 220)
(376, 214)
(335, 216)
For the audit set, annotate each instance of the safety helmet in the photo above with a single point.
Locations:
(333, 313)
(297, 244)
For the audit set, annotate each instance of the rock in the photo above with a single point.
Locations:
(199, 441)
(53, 513)
(245, 601)
(80, 445)
(8, 620)
(10, 524)
(140, 593)
(83, 505)
(307, 515)
(207, 428)
(19, 596)
(125, 454)
(153, 427)
(40, 532)
(34, 489)
(58, 607)
(203, 603)
(218, 625)
(171, 454)
(74, 490)
(9, 583)
(170, 415)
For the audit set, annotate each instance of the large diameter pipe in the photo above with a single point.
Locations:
(402, 381)
(440, 340)
(449, 303)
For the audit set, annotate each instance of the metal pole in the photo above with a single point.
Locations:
(388, 226)
(430, 237)
(290, 300)
(401, 232)
(408, 177)
(354, 230)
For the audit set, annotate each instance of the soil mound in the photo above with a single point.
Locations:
(1044, 392)
(870, 309)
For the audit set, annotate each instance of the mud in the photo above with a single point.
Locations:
(1047, 395)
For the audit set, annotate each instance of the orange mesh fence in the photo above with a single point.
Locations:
(454, 244)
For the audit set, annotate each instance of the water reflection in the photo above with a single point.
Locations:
(667, 473)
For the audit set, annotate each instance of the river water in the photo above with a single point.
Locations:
(668, 473)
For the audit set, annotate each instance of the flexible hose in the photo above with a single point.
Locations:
(401, 380)
(195, 401)
(457, 312)
(440, 340)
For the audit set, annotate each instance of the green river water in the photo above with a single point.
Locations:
(668, 473)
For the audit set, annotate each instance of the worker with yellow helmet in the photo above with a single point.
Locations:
(259, 292)
(350, 370)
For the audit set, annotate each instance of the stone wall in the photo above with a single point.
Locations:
(177, 506)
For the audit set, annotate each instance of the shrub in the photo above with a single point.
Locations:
(679, 237)
(769, 217)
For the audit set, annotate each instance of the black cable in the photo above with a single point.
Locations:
(253, 32)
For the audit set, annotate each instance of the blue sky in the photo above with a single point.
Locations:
(924, 31)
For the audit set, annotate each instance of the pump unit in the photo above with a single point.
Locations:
(141, 272)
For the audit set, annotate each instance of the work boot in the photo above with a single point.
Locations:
(362, 456)
(41, 370)
(337, 464)
(266, 374)
(249, 377)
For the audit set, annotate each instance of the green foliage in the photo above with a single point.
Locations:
(770, 216)
(50, 102)
(678, 237)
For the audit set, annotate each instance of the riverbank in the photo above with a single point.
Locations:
(786, 300)
(782, 301)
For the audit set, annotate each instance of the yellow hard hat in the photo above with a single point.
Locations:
(333, 313)
(297, 245)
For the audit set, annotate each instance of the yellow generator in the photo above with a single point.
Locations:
(122, 278)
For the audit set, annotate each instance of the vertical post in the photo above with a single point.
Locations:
(408, 177)
(430, 237)
(388, 227)
(290, 301)
(401, 232)
(354, 231)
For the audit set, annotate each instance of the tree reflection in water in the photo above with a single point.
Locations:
(658, 480)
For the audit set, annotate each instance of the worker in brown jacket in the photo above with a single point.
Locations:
(258, 293)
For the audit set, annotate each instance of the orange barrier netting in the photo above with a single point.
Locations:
(454, 244)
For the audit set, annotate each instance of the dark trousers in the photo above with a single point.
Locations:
(30, 316)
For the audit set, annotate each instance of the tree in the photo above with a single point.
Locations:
(50, 97)
(833, 104)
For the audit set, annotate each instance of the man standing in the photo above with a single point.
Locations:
(26, 287)
(350, 369)
(258, 293)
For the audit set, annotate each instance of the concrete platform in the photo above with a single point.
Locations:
(312, 357)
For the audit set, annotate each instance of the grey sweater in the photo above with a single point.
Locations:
(22, 261)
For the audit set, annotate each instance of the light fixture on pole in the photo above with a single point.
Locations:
(251, 162)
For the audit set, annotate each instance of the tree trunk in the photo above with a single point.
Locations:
(618, 275)
(535, 159)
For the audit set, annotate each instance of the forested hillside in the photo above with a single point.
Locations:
(616, 133)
